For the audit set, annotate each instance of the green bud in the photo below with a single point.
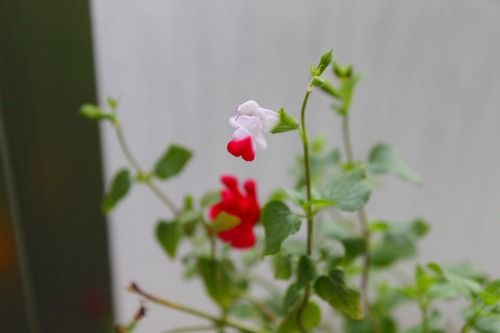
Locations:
(112, 103)
(285, 122)
(314, 71)
(342, 72)
(91, 111)
(325, 60)
(326, 86)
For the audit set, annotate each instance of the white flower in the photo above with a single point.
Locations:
(250, 121)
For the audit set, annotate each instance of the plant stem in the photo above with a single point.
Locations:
(307, 169)
(217, 321)
(138, 168)
(263, 308)
(308, 208)
(363, 220)
(190, 329)
(425, 317)
(472, 318)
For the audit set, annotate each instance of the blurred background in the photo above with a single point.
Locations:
(430, 87)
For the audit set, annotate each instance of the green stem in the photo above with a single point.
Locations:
(190, 329)
(365, 228)
(138, 168)
(263, 308)
(468, 324)
(425, 317)
(308, 208)
(217, 321)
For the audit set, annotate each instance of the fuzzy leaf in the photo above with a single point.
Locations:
(168, 235)
(292, 296)
(385, 159)
(306, 271)
(172, 162)
(282, 266)
(332, 289)
(311, 317)
(217, 280)
(121, 184)
(279, 223)
(349, 191)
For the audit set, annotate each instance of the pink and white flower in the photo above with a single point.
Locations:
(251, 122)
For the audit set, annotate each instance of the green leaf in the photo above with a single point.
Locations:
(385, 159)
(306, 271)
(442, 291)
(311, 317)
(464, 285)
(398, 242)
(419, 227)
(224, 222)
(467, 287)
(386, 325)
(424, 281)
(121, 184)
(216, 276)
(112, 103)
(393, 247)
(210, 198)
(169, 235)
(279, 223)
(172, 162)
(282, 266)
(353, 247)
(346, 91)
(332, 289)
(285, 122)
(493, 287)
(91, 111)
(292, 296)
(349, 191)
(326, 86)
(189, 216)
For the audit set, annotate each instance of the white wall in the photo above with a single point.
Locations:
(431, 86)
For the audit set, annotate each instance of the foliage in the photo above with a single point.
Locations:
(341, 275)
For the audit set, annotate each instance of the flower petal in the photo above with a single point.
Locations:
(249, 108)
(244, 148)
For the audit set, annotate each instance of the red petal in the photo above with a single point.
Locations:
(243, 148)
(245, 239)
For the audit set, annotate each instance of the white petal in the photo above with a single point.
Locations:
(241, 133)
(247, 122)
(270, 119)
(260, 139)
(232, 121)
(249, 108)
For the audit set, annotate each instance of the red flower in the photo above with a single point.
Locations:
(244, 206)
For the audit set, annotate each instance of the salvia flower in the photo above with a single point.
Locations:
(251, 122)
(242, 205)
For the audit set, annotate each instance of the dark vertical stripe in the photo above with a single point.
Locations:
(46, 73)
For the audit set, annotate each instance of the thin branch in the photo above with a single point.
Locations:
(191, 329)
(138, 168)
(263, 308)
(365, 230)
(309, 212)
(134, 288)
